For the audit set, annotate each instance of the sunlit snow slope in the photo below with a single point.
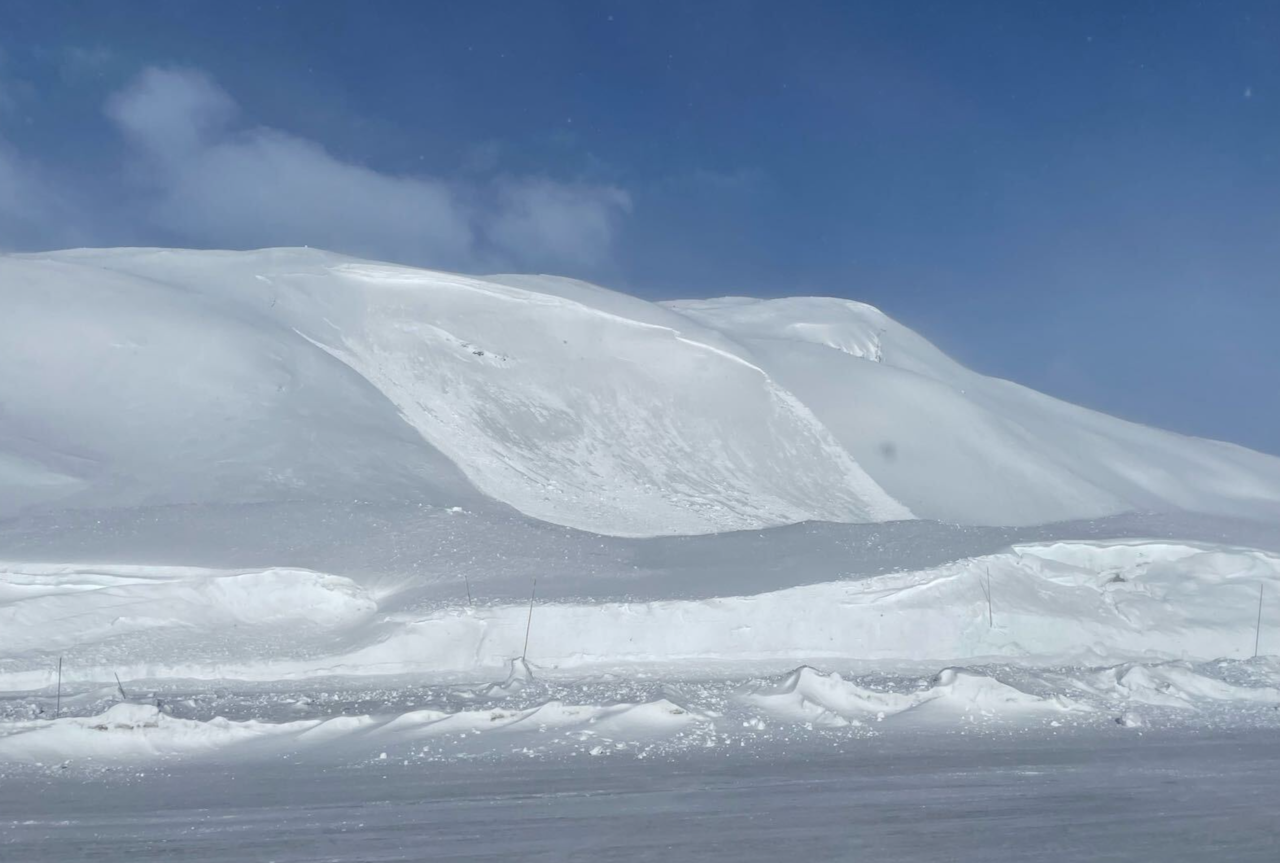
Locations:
(133, 377)
(961, 447)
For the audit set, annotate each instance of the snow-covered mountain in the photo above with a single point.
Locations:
(308, 472)
(141, 376)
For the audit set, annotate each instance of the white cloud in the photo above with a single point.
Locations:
(201, 176)
(213, 182)
(172, 113)
(543, 222)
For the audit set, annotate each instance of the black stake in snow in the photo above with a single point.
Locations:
(57, 709)
(468, 581)
(528, 626)
(1257, 632)
(120, 688)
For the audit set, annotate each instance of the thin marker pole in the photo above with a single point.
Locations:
(986, 590)
(468, 581)
(528, 626)
(1257, 632)
(57, 710)
(120, 687)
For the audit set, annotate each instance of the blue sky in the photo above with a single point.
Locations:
(1082, 197)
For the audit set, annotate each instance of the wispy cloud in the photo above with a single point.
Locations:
(544, 222)
(214, 182)
(200, 175)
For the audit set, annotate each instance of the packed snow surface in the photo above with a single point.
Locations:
(1115, 794)
(160, 377)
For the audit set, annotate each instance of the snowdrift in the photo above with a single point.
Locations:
(57, 607)
(130, 731)
(602, 717)
(808, 695)
(157, 377)
(1050, 604)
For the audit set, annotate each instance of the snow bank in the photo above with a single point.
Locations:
(808, 695)
(643, 714)
(1173, 684)
(615, 721)
(1171, 602)
(56, 608)
(1077, 603)
(129, 731)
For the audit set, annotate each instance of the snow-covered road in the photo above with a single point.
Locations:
(1163, 796)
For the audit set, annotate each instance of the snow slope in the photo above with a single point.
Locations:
(154, 377)
(122, 389)
(960, 447)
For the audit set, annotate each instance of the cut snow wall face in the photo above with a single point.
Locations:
(1051, 604)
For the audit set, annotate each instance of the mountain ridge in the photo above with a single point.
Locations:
(155, 376)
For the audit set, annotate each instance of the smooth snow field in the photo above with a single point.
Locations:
(304, 557)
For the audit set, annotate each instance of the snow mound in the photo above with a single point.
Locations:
(129, 731)
(623, 721)
(1173, 684)
(965, 691)
(828, 700)
(127, 716)
(599, 714)
(51, 607)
